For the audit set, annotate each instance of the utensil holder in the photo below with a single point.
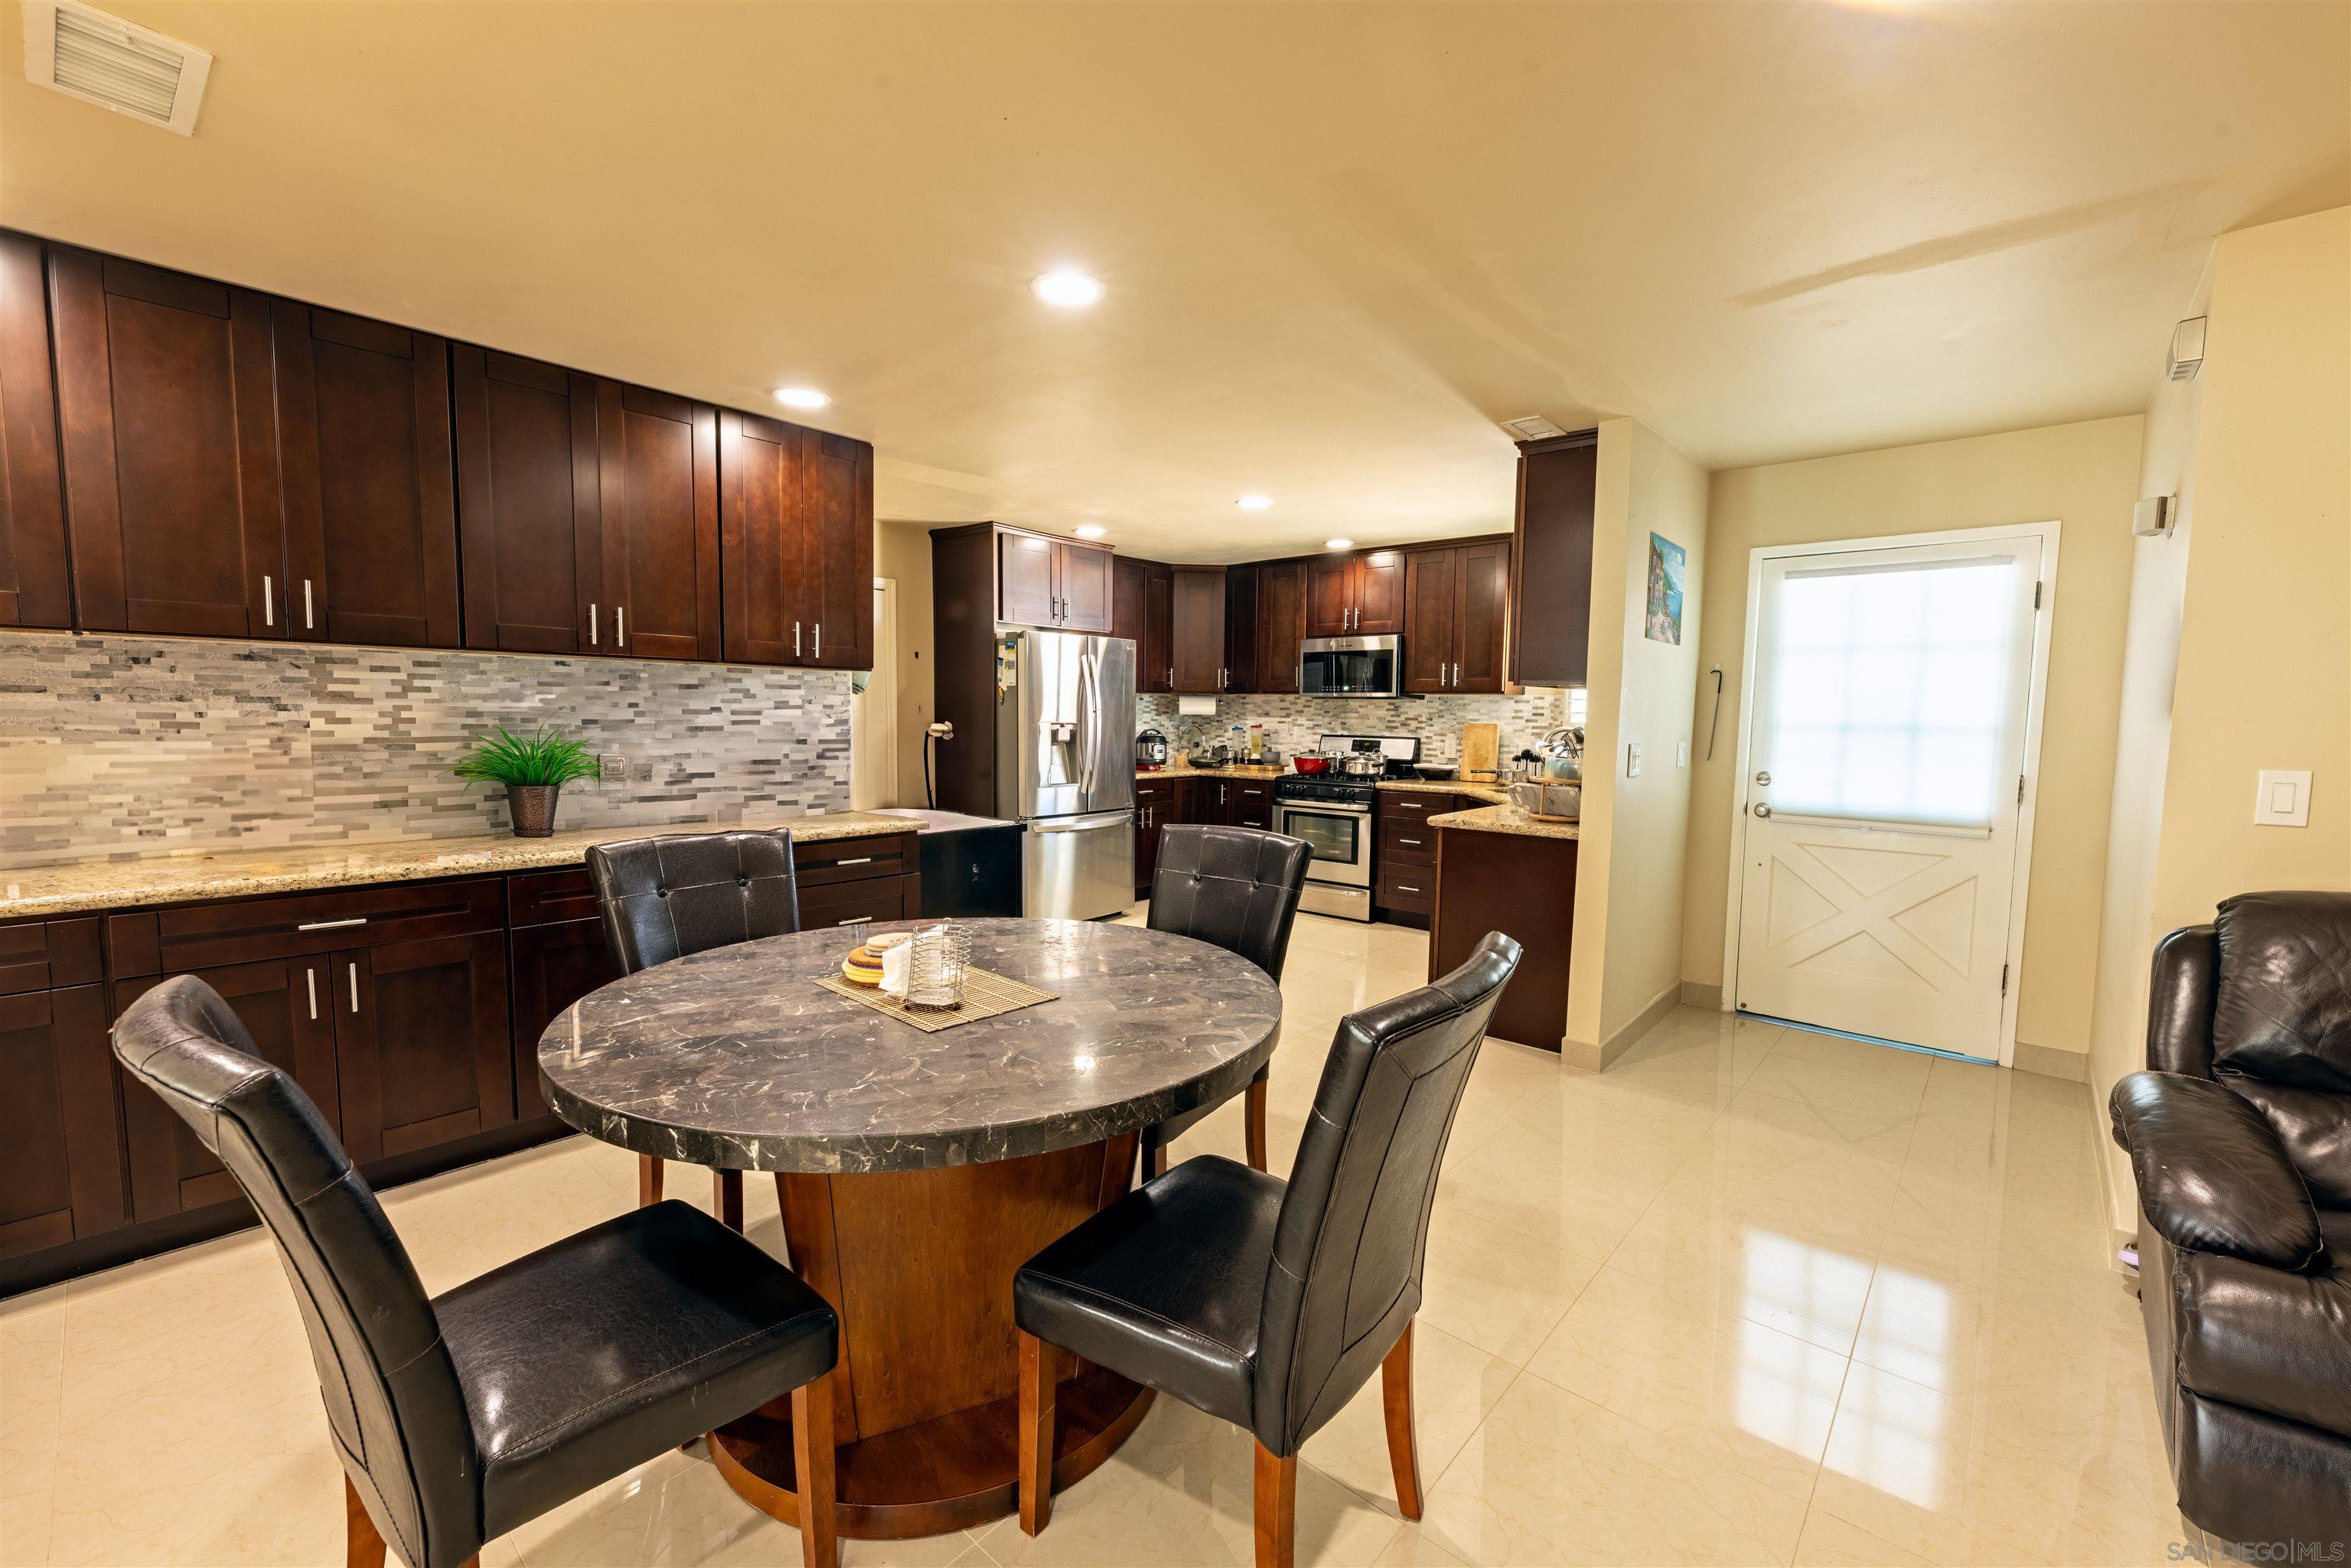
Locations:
(937, 962)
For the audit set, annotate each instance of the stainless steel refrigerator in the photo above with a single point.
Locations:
(1065, 769)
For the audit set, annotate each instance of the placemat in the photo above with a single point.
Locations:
(985, 995)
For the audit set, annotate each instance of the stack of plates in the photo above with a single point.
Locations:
(863, 965)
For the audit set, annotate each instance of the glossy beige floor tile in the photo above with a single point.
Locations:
(1752, 1295)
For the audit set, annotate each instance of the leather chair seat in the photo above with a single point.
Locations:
(1167, 1284)
(2269, 1340)
(614, 1346)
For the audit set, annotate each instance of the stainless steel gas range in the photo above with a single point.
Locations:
(1333, 812)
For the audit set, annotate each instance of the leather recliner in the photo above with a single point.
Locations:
(2240, 1140)
(664, 898)
(1237, 888)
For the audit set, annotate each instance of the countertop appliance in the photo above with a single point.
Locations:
(1333, 812)
(971, 866)
(1351, 667)
(1151, 751)
(1064, 769)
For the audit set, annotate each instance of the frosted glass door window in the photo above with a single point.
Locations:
(1891, 689)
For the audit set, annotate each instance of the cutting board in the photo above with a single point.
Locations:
(1481, 750)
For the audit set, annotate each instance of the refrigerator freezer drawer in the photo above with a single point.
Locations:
(1078, 868)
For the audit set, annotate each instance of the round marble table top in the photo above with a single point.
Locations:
(736, 1058)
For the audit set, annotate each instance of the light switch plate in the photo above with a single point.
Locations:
(1681, 754)
(2283, 799)
(1631, 759)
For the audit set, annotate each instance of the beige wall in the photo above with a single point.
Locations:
(902, 552)
(1628, 900)
(2265, 640)
(2084, 476)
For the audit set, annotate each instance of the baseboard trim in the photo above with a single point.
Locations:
(1699, 994)
(2074, 1066)
(1597, 1058)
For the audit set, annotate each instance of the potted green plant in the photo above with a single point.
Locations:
(534, 768)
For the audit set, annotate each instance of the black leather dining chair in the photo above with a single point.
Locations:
(1264, 1302)
(1237, 888)
(461, 1416)
(663, 898)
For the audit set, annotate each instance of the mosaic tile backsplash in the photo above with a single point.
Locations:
(1296, 723)
(119, 747)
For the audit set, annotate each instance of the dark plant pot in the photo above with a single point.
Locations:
(532, 805)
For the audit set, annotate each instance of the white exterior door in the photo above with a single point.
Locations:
(1890, 710)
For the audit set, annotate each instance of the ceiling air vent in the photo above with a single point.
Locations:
(1534, 427)
(131, 69)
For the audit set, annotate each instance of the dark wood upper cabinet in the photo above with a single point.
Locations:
(1550, 561)
(1025, 590)
(1085, 586)
(60, 1143)
(657, 469)
(1128, 577)
(1456, 602)
(1199, 626)
(369, 484)
(1429, 638)
(1356, 595)
(528, 504)
(1157, 663)
(1281, 624)
(1240, 629)
(798, 548)
(170, 439)
(35, 587)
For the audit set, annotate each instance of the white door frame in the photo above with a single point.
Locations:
(2038, 706)
(877, 746)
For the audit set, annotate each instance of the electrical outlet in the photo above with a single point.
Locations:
(616, 766)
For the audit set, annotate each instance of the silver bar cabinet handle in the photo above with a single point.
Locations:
(796, 639)
(268, 602)
(591, 625)
(861, 860)
(309, 618)
(332, 924)
(621, 625)
(310, 983)
(355, 987)
(820, 640)
(856, 920)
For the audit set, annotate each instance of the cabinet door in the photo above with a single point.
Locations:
(1199, 608)
(1025, 594)
(1482, 597)
(1240, 629)
(1083, 572)
(60, 1148)
(370, 507)
(657, 487)
(552, 966)
(1330, 596)
(841, 519)
(421, 1042)
(1551, 583)
(1128, 578)
(773, 562)
(1379, 593)
(1429, 648)
(1281, 626)
(287, 1005)
(1156, 672)
(35, 587)
(527, 505)
(1153, 809)
(171, 450)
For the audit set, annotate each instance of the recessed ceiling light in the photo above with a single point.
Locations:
(1338, 544)
(1067, 288)
(1091, 530)
(801, 397)
(1254, 503)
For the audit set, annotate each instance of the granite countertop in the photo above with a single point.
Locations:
(88, 885)
(1186, 770)
(736, 1058)
(1505, 820)
(1439, 786)
(1494, 792)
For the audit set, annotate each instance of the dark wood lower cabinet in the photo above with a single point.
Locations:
(550, 968)
(421, 1044)
(60, 1144)
(1525, 888)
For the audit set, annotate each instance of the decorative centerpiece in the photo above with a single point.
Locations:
(534, 768)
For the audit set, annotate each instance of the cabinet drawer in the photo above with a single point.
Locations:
(251, 930)
(1415, 806)
(845, 903)
(1410, 888)
(39, 954)
(1407, 843)
(545, 897)
(852, 860)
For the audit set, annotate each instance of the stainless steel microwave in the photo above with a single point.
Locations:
(1351, 667)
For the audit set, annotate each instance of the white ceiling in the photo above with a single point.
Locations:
(1340, 242)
